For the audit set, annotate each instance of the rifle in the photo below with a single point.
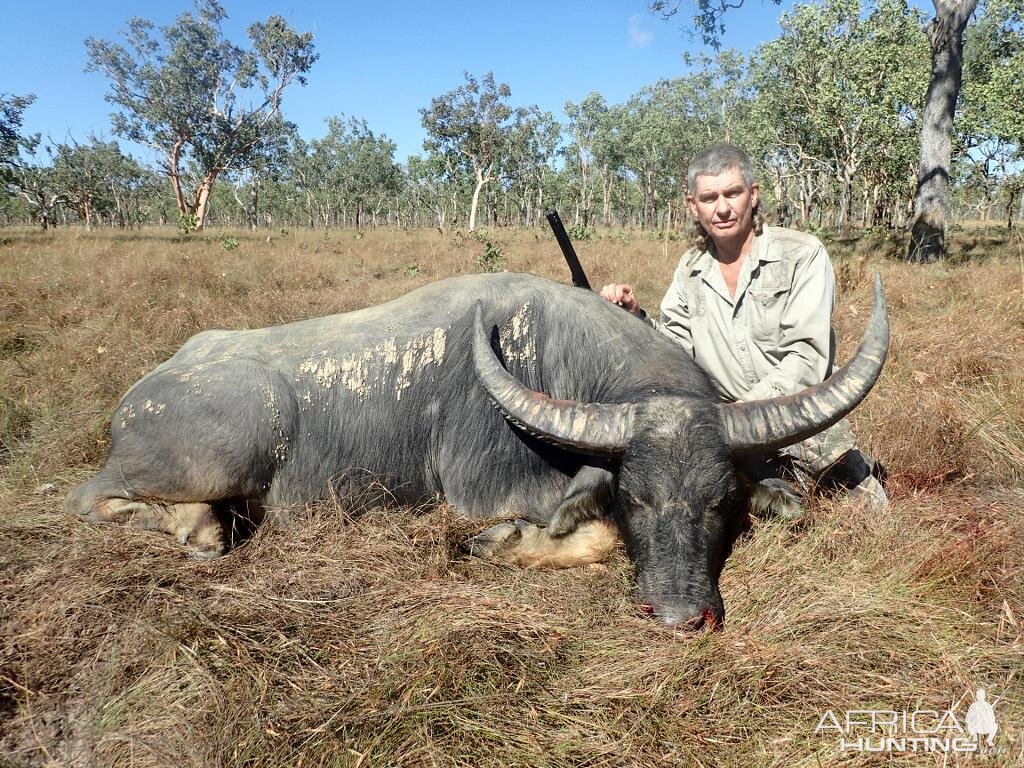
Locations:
(579, 277)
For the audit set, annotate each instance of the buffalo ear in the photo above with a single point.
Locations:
(588, 497)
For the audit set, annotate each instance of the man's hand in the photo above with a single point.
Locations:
(621, 294)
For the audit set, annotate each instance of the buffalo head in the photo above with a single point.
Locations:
(679, 501)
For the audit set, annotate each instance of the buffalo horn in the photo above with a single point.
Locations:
(591, 428)
(764, 425)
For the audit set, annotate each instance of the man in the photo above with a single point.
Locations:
(753, 305)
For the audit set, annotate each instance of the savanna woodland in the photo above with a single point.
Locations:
(341, 639)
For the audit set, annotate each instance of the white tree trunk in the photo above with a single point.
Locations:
(481, 179)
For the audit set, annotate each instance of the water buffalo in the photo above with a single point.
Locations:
(508, 395)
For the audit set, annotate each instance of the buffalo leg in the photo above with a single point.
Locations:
(588, 497)
(530, 546)
(193, 524)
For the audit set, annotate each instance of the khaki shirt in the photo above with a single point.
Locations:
(775, 337)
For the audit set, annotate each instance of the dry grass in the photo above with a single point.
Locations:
(366, 642)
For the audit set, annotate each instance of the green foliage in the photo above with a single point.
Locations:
(838, 96)
(831, 110)
(229, 243)
(11, 140)
(590, 155)
(580, 232)
(989, 121)
(186, 223)
(96, 179)
(183, 92)
(707, 17)
(349, 172)
(469, 127)
(491, 258)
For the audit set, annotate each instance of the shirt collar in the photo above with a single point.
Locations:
(700, 259)
(760, 249)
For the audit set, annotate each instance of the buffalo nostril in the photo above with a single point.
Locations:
(707, 620)
(711, 621)
(693, 624)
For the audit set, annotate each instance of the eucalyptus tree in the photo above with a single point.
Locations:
(661, 128)
(646, 143)
(264, 165)
(437, 186)
(945, 34)
(530, 146)
(469, 125)
(931, 203)
(653, 145)
(584, 125)
(196, 98)
(96, 180)
(839, 89)
(36, 183)
(302, 173)
(345, 174)
(11, 140)
(369, 175)
(609, 158)
(990, 124)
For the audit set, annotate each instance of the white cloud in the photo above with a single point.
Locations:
(638, 37)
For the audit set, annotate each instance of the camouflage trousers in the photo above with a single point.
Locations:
(828, 462)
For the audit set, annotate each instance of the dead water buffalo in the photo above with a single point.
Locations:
(505, 394)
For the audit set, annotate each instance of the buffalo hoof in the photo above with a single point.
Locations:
(491, 541)
(774, 497)
(194, 526)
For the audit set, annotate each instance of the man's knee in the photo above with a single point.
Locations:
(860, 476)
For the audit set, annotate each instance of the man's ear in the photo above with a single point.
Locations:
(755, 194)
(692, 205)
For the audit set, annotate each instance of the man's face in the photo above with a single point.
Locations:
(724, 205)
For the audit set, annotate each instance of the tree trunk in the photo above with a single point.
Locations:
(481, 179)
(843, 214)
(173, 173)
(931, 204)
(254, 204)
(782, 208)
(606, 197)
(202, 204)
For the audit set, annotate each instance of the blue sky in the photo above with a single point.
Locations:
(381, 62)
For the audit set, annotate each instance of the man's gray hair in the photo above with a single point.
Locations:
(717, 159)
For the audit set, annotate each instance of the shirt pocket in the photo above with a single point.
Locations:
(764, 313)
(693, 296)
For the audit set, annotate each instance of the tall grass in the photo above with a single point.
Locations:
(362, 642)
